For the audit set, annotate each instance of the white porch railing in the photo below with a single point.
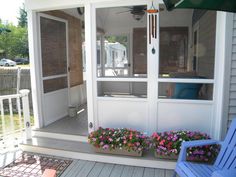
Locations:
(15, 119)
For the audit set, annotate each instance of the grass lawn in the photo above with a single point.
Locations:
(23, 66)
(16, 122)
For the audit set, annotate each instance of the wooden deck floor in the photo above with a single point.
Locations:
(83, 168)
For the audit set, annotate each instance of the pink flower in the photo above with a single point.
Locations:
(124, 141)
(106, 146)
(110, 139)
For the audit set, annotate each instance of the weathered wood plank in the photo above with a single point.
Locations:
(96, 170)
(169, 173)
(71, 166)
(86, 169)
(138, 172)
(76, 169)
(117, 171)
(149, 172)
(128, 171)
(106, 171)
(159, 173)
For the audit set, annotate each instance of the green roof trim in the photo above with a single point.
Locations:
(219, 5)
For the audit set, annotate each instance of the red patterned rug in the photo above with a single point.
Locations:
(33, 165)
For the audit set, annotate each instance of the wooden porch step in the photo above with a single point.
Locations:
(59, 136)
(84, 151)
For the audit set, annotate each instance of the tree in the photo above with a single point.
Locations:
(120, 39)
(22, 19)
(15, 43)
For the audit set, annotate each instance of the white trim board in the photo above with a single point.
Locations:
(59, 136)
(84, 151)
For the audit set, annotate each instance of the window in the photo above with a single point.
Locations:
(187, 54)
(124, 42)
(122, 89)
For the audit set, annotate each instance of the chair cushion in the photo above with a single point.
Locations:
(189, 169)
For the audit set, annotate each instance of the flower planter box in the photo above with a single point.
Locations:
(118, 152)
(118, 141)
(170, 143)
(166, 157)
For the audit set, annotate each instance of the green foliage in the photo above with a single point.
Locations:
(22, 19)
(15, 43)
(120, 39)
(14, 39)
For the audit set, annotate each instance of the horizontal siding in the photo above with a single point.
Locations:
(234, 39)
(232, 110)
(232, 102)
(232, 95)
(233, 72)
(233, 87)
(234, 48)
(234, 54)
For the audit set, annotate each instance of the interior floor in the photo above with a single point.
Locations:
(70, 125)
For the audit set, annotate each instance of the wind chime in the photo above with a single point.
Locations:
(152, 17)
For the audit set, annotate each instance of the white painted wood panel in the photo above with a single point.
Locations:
(78, 95)
(122, 113)
(177, 116)
(55, 106)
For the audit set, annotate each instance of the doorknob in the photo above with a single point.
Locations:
(90, 125)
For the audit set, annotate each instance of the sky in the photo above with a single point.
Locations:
(9, 10)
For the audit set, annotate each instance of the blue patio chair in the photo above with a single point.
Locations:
(224, 166)
(186, 90)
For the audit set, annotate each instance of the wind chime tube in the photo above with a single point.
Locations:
(150, 29)
(155, 26)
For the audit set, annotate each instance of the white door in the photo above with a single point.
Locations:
(54, 67)
(186, 70)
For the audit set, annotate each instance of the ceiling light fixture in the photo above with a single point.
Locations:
(138, 15)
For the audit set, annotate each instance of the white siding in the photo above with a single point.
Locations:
(232, 87)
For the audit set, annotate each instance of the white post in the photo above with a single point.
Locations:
(18, 79)
(90, 42)
(26, 112)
